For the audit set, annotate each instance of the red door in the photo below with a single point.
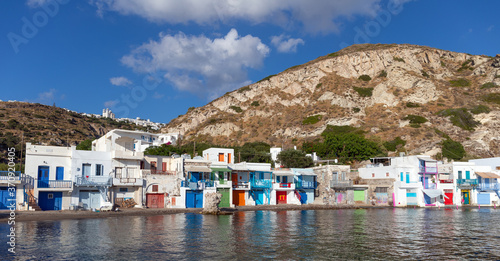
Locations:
(154, 200)
(281, 197)
(449, 194)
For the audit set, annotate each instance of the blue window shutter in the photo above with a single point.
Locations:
(402, 176)
(59, 173)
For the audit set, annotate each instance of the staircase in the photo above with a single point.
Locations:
(33, 201)
(297, 194)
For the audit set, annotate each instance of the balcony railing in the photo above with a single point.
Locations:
(261, 183)
(12, 175)
(134, 155)
(157, 172)
(489, 186)
(467, 182)
(242, 185)
(306, 185)
(54, 183)
(198, 185)
(446, 181)
(93, 181)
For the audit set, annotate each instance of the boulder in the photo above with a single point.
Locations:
(211, 205)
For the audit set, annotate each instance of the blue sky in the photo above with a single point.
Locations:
(156, 58)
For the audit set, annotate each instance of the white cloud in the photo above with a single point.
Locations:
(285, 44)
(110, 104)
(47, 97)
(120, 81)
(314, 15)
(198, 64)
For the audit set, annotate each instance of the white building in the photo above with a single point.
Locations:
(219, 155)
(136, 141)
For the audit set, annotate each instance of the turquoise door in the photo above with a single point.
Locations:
(407, 177)
(259, 197)
(467, 174)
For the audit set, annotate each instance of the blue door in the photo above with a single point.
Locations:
(467, 174)
(407, 177)
(43, 176)
(303, 197)
(4, 198)
(483, 199)
(50, 200)
(259, 197)
(59, 173)
(194, 199)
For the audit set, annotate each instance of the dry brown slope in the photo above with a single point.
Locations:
(273, 109)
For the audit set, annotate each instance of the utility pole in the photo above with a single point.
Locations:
(22, 147)
(194, 149)
(239, 156)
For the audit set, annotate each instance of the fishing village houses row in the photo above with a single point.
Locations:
(116, 173)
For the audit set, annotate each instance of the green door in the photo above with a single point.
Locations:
(224, 202)
(359, 195)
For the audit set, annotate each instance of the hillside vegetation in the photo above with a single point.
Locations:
(426, 97)
(49, 125)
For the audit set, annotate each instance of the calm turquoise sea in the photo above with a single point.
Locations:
(350, 234)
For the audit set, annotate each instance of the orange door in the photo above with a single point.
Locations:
(239, 197)
(221, 157)
(229, 158)
(281, 195)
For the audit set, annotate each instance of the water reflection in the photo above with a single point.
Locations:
(375, 234)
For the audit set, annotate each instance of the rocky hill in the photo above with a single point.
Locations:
(49, 125)
(420, 94)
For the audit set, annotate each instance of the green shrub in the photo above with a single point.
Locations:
(415, 120)
(365, 78)
(492, 97)
(497, 76)
(412, 105)
(442, 134)
(319, 85)
(453, 149)
(311, 119)
(364, 92)
(255, 103)
(460, 117)
(267, 78)
(480, 109)
(398, 59)
(425, 74)
(460, 83)
(488, 85)
(191, 108)
(333, 55)
(465, 66)
(393, 144)
(443, 64)
(383, 73)
(244, 89)
(356, 109)
(236, 109)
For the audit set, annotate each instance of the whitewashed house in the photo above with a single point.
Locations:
(50, 168)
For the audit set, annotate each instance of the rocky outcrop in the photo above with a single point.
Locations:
(211, 204)
(405, 79)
